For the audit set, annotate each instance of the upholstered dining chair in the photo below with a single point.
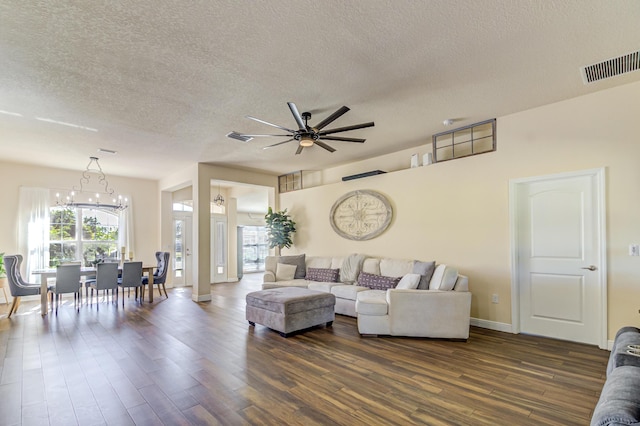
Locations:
(17, 286)
(67, 281)
(106, 279)
(160, 275)
(131, 278)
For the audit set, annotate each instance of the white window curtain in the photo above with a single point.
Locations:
(125, 228)
(33, 228)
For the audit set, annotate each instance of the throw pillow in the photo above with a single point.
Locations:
(425, 269)
(377, 282)
(325, 275)
(285, 272)
(409, 282)
(444, 278)
(298, 260)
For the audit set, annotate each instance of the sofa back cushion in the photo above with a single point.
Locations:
(377, 282)
(395, 267)
(371, 265)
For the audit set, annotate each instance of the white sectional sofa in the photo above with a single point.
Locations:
(440, 311)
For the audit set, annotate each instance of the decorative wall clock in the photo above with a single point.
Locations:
(361, 215)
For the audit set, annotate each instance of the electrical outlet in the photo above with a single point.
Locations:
(495, 298)
(634, 250)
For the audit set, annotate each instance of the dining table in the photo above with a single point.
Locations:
(85, 271)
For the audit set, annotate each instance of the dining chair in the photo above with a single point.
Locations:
(67, 281)
(106, 279)
(160, 275)
(17, 286)
(131, 278)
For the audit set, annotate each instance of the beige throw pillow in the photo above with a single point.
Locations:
(285, 272)
(409, 282)
(444, 278)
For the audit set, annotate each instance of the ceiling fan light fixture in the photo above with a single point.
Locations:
(306, 141)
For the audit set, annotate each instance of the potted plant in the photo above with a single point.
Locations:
(280, 228)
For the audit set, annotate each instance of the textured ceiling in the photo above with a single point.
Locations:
(163, 82)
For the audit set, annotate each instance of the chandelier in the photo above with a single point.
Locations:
(82, 196)
(219, 199)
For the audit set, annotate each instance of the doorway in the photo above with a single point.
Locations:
(558, 256)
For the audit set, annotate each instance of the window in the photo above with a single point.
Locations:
(82, 234)
(254, 248)
(471, 140)
(290, 182)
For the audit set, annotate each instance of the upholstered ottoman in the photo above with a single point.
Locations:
(290, 309)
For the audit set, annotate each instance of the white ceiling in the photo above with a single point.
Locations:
(163, 82)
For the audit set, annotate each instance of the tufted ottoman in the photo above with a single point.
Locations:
(290, 309)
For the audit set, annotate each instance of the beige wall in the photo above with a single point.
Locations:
(457, 212)
(144, 195)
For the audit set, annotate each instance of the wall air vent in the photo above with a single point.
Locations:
(611, 67)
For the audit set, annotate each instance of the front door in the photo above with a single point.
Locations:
(560, 268)
(181, 250)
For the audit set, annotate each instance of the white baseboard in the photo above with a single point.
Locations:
(491, 325)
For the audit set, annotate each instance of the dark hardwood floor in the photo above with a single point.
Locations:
(176, 362)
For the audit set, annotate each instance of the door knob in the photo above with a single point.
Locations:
(591, 268)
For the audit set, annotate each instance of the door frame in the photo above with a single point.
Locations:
(598, 175)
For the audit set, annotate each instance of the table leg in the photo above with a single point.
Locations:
(150, 286)
(43, 294)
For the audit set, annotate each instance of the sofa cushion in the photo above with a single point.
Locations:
(444, 278)
(298, 260)
(395, 267)
(371, 265)
(351, 267)
(327, 275)
(377, 282)
(285, 272)
(322, 286)
(618, 403)
(348, 291)
(372, 302)
(425, 269)
(409, 282)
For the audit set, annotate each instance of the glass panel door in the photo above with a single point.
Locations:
(181, 250)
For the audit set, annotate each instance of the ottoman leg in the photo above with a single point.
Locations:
(330, 323)
(285, 335)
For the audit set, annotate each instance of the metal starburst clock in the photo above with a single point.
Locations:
(361, 215)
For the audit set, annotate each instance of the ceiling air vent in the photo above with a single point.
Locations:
(611, 67)
(238, 136)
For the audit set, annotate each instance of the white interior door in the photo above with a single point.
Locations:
(560, 279)
(219, 249)
(182, 250)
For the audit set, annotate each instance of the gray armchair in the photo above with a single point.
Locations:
(160, 275)
(17, 285)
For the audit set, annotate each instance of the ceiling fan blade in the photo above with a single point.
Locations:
(347, 128)
(279, 143)
(331, 118)
(299, 150)
(325, 146)
(269, 124)
(297, 116)
(265, 135)
(340, 138)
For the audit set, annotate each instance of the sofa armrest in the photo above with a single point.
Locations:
(429, 313)
(268, 277)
